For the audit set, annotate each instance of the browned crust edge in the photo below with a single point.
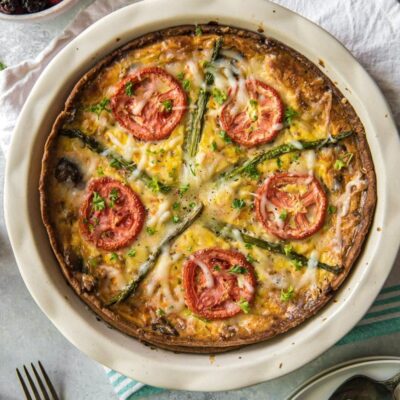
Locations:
(176, 343)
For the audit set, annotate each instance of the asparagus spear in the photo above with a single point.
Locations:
(228, 231)
(250, 166)
(197, 117)
(144, 269)
(116, 161)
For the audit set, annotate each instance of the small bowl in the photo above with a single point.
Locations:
(47, 13)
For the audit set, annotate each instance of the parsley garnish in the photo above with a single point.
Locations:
(180, 76)
(238, 203)
(100, 107)
(160, 312)
(192, 204)
(183, 189)
(288, 294)
(2, 66)
(175, 219)
(217, 268)
(154, 185)
(253, 102)
(225, 136)
(237, 269)
(100, 171)
(219, 96)
(114, 257)
(279, 162)
(114, 196)
(343, 161)
(290, 114)
(287, 248)
(132, 253)
(98, 202)
(283, 215)
(251, 171)
(214, 146)
(331, 209)
(150, 230)
(248, 245)
(250, 258)
(167, 104)
(244, 305)
(297, 264)
(186, 84)
(176, 206)
(129, 89)
(198, 31)
(339, 164)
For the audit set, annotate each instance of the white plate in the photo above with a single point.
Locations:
(324, 384)
(41, 15)
(251, 364)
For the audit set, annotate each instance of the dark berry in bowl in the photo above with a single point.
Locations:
(9, 6)
(32, 6)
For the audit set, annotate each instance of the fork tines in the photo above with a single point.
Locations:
(46, 392)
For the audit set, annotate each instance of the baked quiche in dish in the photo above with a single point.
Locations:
(206, 187)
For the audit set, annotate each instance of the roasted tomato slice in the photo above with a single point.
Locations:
(218, 283)
(291, 206)
(254, 118)
(111, 215)
(149, 103)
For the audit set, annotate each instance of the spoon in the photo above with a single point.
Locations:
(360, 387)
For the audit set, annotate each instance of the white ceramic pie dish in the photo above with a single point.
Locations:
(76, 322)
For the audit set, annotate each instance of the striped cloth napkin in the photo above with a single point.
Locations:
(368, 28)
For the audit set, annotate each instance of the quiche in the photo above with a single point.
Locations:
(206, 187)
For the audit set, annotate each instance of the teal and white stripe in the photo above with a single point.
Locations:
(382, 318)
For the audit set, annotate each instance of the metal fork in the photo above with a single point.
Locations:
(34, 389)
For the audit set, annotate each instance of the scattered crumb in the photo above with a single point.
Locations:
(324, 319)
(240, 357)
(293, 343)
(321, 63)
(260, 29)
(379, 229)
(274, 11)
(386, 115)
(280, 365)
(117, 39)
(212, 359)
(336, 83)
(335, 300)
(344, 100)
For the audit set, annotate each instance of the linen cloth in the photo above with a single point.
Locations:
(370, 29)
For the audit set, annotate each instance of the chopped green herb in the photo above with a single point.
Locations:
(192, 170)
(248, 245)
(180, 76)
(244, 305)
(175, 219)
(253, 102)
(114, 257)
(225, 137)
(150, 230)
(98, 202)
(115, 163)
(287, 249)
(209, 78)
(93, 261)
(290, 114)
(160, 312)
(250, 258)
(237, 269)
(331, 209)
(198, 31)
(129, 89)
(283, 215)
(288, 294)
(339, 164)
(238, 203)
(279, 163)
(176, 206)
(132, 253)
(114, 196)
(192, 204)
(186, 84)
(219, 96)
(217, 268)
(251, 171)
(100, 171)
(297, 264)
(183, 189)
(2, 66)
(154, 185)
(214, 146)
(100, 107)
(167, 104)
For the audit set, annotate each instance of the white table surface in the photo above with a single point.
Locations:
(26, 334)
